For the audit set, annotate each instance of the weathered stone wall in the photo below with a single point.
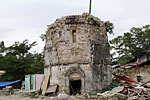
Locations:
(101, 76)
(133, 73)
(77, 46)
(62, 79)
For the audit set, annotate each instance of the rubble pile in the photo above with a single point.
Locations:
(127, 89)
(141, 93)
(132, 89)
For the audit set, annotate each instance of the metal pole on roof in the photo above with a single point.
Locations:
(90, 6)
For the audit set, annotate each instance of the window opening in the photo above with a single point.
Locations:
(73, 36)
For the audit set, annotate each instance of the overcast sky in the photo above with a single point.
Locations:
(28, 19)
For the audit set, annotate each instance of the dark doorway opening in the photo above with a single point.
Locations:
(75, 87)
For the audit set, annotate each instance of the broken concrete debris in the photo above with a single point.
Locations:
(62, 96)
(125, 91)
(135, 90)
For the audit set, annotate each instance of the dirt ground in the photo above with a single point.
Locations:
(16, 97)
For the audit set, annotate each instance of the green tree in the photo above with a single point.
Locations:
(131, 44)
(43, 37)
(109, 27)
(19, 49)
(18, 61)
(37, 64)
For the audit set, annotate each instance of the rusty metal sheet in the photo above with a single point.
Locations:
(124, 78)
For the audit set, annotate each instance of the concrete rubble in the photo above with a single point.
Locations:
(124, 91)
(135, 90)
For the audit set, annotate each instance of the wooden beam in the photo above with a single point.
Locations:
(45, 85)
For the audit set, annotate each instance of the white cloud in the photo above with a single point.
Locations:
(27, 19)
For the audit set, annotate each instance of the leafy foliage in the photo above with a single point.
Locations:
(109, 27)
(43, 37)
(131, 44)
(110, 87)
(17, 61)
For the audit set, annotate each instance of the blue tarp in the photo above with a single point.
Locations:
(2, 84)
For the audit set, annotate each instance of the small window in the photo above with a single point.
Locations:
(73, 36)
(60, 33)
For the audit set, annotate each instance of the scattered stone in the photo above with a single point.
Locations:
(62, 96)
(117, 89)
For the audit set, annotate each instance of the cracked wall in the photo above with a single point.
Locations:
(79, 43)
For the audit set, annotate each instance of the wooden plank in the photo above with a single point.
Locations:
(52, 89)
(45, 84)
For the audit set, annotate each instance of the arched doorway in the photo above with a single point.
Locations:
(75, 83)
(75, 79)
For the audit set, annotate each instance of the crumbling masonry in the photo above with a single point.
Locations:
(77, 54)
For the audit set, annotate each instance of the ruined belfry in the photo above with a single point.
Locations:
(77, 54)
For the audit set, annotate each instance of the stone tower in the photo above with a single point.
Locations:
(77, 54)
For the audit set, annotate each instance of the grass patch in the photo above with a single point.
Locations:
(110, 87)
